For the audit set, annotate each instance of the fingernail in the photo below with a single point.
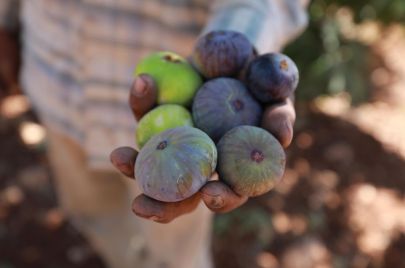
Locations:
(215, 201)
(140, 86)
(119, 158)
(287, 134)
(154, 218)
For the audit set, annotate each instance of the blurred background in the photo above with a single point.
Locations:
(341, 202)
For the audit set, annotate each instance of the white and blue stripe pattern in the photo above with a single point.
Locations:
(79, 55)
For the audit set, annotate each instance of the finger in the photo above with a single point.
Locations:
(143, 95)
(123, 158)
(218, 197)
(163, 212)
(279, 120)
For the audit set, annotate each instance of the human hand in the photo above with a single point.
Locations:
(9, 62)
(217, 196)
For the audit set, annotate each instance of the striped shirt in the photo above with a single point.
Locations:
(79, 55)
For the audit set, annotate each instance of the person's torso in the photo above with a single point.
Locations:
(79, 57)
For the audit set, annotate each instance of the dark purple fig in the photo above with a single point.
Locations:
(175, 164)
(222, 104)
(250, 160)
(272, 77)
(222, 54)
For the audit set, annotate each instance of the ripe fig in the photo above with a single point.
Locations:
(175, 164)
(272, 77)
(222, 54)
(176, 80)
(160, 119)
(250, 160)
(222, 104)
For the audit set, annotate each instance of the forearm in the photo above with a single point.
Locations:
(268, 24)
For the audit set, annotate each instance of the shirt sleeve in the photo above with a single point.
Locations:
(268, 24)
(9, 12)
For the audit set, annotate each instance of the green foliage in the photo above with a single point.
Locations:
(328, 62)
(385, 11)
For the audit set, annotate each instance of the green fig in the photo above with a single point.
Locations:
(176, 80)
(160, 119)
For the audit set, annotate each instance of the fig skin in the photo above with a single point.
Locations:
(175, 79)
(222, 54)
(222, 104)
(175, 164)
(250, 160)
(272, 77)
(161, 118)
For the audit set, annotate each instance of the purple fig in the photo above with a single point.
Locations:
(222, 104)
(272, 77)
(175, 164)
(222, 54)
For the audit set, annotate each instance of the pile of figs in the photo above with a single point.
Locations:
(207, 118)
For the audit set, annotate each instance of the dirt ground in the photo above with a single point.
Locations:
(328, 211)
(340, 204)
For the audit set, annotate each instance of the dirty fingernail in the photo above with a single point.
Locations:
(216, 201)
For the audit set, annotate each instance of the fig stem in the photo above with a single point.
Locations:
(283, 65)
(170, 58)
